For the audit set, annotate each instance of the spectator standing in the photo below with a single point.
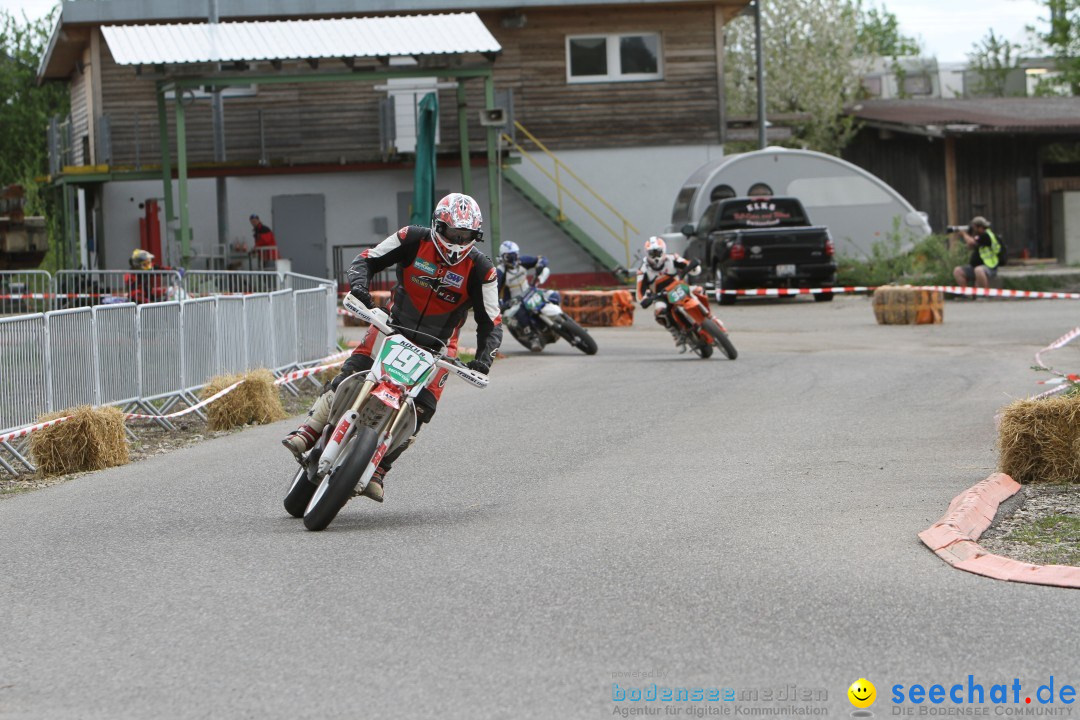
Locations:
(265, 242)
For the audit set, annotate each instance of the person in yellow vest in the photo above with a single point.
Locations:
(985, 252)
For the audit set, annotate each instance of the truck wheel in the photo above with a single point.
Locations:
(824, 297)
(718, 287)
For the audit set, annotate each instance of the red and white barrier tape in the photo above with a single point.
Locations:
(23, 432)
(337, 358)
(994, 292)
(951, 289)
(1064, 381)
(781, 292)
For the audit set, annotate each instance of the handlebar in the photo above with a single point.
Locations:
(378, 319)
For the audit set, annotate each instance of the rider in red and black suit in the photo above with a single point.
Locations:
(440, 277)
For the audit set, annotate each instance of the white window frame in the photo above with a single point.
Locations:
(614, 60)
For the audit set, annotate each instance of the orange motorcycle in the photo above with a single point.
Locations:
(687, 307)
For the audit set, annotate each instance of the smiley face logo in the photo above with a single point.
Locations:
(862, 693)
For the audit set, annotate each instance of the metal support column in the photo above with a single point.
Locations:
(166, 162)
(493, 168)
(463, 138)
(760, 60)
(182, 180)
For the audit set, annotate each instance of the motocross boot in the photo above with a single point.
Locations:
(302, 439)
(678, 337)
(374, 489)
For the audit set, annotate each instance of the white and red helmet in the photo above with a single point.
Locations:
(455, 227)
(655, 249)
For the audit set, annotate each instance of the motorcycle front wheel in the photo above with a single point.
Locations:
(303, 485)
(337, 487)
(720, 339)
(576, 335)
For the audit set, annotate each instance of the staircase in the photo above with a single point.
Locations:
(555, 210)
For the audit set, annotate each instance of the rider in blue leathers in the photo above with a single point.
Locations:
(513, 270)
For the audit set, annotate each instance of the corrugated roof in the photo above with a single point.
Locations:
(299, 39)
(982, 115)
(124, 11)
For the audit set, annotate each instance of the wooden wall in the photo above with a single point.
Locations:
(990, 173)
(335, 122)
(80, 124)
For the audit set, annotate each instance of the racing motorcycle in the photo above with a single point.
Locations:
(373, 413)
(698, 329)
(549, 322)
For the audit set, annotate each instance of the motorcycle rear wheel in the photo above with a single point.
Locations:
(720, 339)
(337, 487)
(576, 335)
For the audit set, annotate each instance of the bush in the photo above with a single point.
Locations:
(929, 262)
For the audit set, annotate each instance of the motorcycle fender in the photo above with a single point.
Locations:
(550, 310)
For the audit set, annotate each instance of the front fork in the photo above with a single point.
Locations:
(344, 429)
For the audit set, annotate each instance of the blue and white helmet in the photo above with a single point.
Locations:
(509, 252)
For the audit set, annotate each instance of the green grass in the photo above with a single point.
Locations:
(1055, 538)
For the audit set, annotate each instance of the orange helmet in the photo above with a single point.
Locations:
(655, 249)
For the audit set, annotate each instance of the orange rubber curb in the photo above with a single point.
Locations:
(953, 538)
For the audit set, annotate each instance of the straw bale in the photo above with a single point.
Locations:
(256, 400)
(93, 439)
(1039, 440)
(908, 306)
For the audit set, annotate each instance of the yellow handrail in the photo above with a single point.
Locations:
(574, 175)
(527, 155)
(562, 189)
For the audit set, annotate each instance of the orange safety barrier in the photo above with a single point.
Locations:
(599, 308)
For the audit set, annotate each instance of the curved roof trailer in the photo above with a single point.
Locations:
(859, 208)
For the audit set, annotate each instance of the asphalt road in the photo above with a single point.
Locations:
(747, 524)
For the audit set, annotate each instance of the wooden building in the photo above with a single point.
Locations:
(1002, 158)
(631, 92)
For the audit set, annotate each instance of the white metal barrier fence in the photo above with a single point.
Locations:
(201, 359)
(127, 354)
(117, 353)
(30, 291)
(23, 349)
(201, 283)
(83, 288)
(25, 291)
(71, 343)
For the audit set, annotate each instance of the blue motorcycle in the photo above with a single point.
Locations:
(536, 320)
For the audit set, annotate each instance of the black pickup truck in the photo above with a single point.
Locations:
(768, 242)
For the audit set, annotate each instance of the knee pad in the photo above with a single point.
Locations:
(425, 407)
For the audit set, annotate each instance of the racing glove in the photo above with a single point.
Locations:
(362, 294)
(479, 365)
(647, 301)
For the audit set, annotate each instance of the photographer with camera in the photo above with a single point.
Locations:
(985, 253)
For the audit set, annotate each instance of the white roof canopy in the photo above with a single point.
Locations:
(449, 34)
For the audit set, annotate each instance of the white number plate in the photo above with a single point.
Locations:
(785, 270)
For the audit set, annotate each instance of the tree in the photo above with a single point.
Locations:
(816, 52)
(991, 60)
(25, 107)
(879, 34)
(1062, 37)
